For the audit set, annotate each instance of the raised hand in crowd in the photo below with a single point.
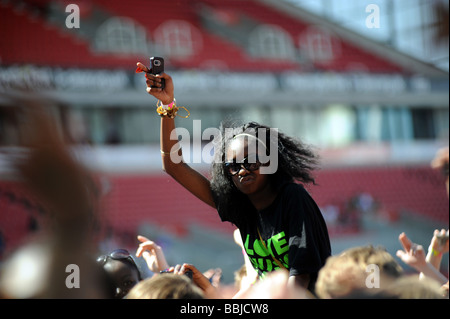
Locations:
(438, 247)
(214, 275)
(414, 256)
(199, 279)
(166, 94)
(152, 254)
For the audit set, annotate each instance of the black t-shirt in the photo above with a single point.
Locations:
(293, 230)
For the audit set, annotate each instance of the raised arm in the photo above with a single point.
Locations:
(189, 178)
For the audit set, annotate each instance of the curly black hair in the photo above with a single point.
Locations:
(296, 162)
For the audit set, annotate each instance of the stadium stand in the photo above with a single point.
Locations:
(349, 54)
(160, 201)
(20, 212)
(35, 34)
(34, 41)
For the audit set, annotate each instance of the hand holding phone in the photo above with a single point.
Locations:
(164, 89)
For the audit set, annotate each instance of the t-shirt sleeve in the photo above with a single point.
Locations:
(238, 216)
(309, 244)
(223, 213)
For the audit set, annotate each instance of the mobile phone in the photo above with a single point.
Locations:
(157, 67)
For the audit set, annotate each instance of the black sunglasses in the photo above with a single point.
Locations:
(233, 168)
(118, 254)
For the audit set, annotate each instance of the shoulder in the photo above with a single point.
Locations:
(294, 190)
(292, 186)
(294, 195)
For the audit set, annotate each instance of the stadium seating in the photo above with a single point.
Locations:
(29, 38)
(417, 190)
(19, 214)
(349, 55)
(160, 201)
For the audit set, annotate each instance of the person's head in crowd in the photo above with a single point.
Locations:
(275, 286)
(411, 287)
(440, 162)
(270, 157)
(404, 287)
(166, 286)
(349, 271)
(239, 277)
(121, 270)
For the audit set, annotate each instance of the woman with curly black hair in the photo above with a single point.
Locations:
(256, 184)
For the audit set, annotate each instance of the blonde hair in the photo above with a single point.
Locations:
(346, 273)
(166, 286)
(411, 287)
(239, 275)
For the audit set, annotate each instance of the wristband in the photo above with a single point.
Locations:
(169, 106)
(436, 253)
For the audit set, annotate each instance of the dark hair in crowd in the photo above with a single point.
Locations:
(296, 161)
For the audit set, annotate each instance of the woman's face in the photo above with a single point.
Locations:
(247, 181)
(123, 275)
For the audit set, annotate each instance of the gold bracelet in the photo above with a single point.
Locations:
(170, 153)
